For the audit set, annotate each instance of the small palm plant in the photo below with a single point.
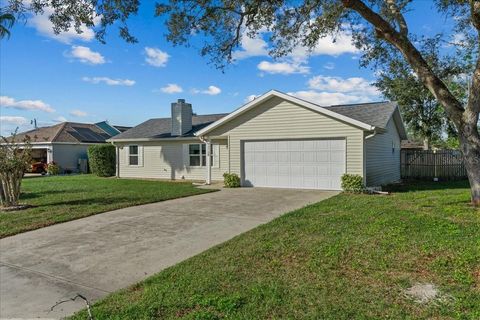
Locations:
(6, 23)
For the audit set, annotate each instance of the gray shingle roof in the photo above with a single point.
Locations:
(161, 127)
(375, 114)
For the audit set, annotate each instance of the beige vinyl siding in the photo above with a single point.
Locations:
(165, 160)
(67, 155)
(279, 119)
(383, 165)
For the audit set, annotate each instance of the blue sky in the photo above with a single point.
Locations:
(73, 77)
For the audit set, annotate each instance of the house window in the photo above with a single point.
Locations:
(198, 155)
(133, 155)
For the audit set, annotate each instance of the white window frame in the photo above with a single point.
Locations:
(131, 155)
(201, 155)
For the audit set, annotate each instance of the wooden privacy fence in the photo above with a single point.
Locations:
(429, 164)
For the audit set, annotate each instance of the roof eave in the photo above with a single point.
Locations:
(151, 139)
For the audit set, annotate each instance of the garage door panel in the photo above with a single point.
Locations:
(295, 156)
(322, 145)
(322, 156)
(283, 157)
(309, 156)
(312, 164)
(283, 170)
(337, 145)
(337, 156)
(337, 170)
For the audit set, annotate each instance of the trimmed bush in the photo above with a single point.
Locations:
(352, 183)
(231, 180)
(101, 159)
(53, 169)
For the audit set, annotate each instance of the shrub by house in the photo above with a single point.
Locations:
(101, 159)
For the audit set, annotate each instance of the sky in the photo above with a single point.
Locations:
(72, 77)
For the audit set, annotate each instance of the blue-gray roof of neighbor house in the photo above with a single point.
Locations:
(160, 128)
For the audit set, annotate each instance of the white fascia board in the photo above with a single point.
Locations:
(399, 124)
(274, 93)
(151, 139)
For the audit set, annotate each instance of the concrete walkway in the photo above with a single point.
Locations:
(97, 255)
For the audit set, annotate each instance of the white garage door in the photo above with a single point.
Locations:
(307, 164)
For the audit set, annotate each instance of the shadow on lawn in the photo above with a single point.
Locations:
(89, 201)
(33, 195)
(419, 185)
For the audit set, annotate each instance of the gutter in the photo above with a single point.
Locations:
(152, 139)
(372, 135)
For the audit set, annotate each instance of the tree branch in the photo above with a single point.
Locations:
(90, 316)
(475, 10)
(440, 91)
(402, 24)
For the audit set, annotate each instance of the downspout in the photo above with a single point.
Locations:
(365, 154)
(371, 135)
(117, 153)
(208, 179)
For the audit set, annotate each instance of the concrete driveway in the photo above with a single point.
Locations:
(97, 255)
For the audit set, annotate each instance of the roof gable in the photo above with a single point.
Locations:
(303, 103)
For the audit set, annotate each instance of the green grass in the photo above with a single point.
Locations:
(63, 198)
(349, 257)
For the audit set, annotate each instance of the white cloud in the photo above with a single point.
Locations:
(8, 102)
(211, 90)
(329, 45)
(44, 26)
(329, 65)
(109, 81)
(171, 88)
(156, 57)
(326, 91)
(78, 113)
(329, 98)
(338, 84)
(13, 120)
(250, 98)
(251, 47)
(60, 119)
(282, 67)
(86, 55)
(326, 46)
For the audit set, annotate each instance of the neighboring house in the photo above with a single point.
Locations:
(412, 145)
(66, 143)
(276, 140)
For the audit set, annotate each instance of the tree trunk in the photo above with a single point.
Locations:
(471, 156)
(426, 143)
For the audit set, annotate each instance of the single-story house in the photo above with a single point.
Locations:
(66, 143)
(276, 140)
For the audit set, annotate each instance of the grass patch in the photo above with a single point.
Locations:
(348, 257)
(62, 198)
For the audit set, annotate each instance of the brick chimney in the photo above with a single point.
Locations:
(181, 117)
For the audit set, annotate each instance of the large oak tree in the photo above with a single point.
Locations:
(378, 28)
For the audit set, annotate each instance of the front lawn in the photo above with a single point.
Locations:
(63, 198)
(349, 257)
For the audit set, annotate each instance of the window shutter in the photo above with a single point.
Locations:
(185, 155)
(216, 156)
(140, 156)
(127, 154)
